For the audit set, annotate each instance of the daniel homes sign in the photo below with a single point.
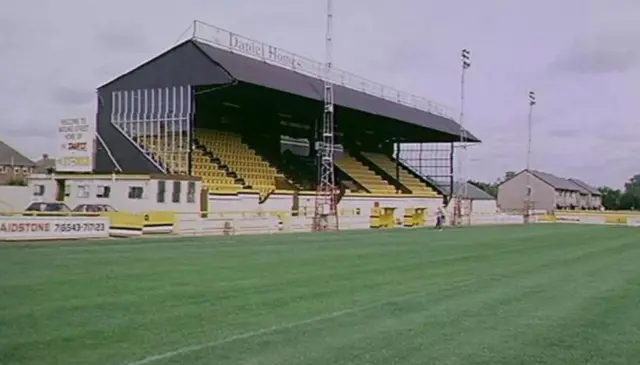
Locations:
(265, 52)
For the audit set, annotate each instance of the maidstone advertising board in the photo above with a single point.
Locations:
(75, 137)
(20, 228)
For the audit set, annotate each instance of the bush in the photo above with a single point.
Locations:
(17, 182)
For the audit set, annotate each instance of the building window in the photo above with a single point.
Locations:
(162, 191)
(16, 170)
(83, 191)
(2, 170)
(175, 195)
(104, 191)
(191, 192)
(38, 190)
(135, 192)
(25, 170)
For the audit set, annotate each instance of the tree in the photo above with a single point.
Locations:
(610, 198)
(626, 199)
(489, 188)
(630, 199)
(17, 182)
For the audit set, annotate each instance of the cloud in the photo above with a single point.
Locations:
(72, 96)
(608, 43)
(580, 56)
(565, 132)
(29, 128)
(600, 54)
(122, 38)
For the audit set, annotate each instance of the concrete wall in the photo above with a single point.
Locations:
(356, 204)
(512, 193)
(89, 190)
(484, 206)
(14, 198)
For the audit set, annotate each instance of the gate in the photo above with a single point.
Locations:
(159, 122)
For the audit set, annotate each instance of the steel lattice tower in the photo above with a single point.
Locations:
(325, 215)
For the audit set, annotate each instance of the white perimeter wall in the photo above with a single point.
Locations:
(14, 198)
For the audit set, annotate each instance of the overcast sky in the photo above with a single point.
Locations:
(580, 56)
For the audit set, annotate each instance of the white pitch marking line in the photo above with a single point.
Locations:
(241, 336)
(188, 349)
(263, 331)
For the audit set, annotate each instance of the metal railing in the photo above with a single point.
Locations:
(237, 43)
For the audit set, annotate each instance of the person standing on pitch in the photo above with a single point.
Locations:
(440, 217)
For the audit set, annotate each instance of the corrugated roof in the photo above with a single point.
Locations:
(260, 73)
(559, 182)
(10, 156)
(473, 192)
(591, 189)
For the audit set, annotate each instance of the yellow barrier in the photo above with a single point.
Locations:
(409, 217)
(547, 218)
(597, 212)
(387, 218)
(125, 224)
(159, 222)
(376, 212)
(563, 216)
(616, 219)
(419, 217)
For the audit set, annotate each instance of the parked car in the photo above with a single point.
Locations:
(47, 208)
(92, 210)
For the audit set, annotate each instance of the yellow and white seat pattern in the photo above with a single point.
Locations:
(241, 159)
(213, 178)
(364, 176)
(414, 184)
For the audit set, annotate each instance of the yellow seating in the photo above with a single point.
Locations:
(241, 159)
(411, 182)
(212, 177)
(171, 150)
(365, 177)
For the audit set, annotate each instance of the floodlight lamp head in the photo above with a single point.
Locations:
(466, 58)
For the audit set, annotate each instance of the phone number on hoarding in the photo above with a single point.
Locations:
(79, 227)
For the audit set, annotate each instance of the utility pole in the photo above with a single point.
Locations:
(461, 189)
(528, 206)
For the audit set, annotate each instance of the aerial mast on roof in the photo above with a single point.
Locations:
(325, 215)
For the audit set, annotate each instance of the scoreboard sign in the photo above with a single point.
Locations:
(75, 145)
(14, 228)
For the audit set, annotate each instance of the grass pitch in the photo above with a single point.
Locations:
(544, 294)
